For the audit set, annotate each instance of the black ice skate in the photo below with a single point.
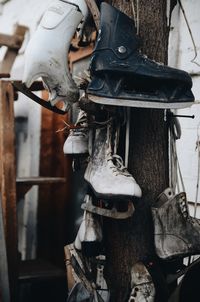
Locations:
(122, 76)
(176, 233)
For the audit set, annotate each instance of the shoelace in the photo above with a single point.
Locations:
(117, 167)
(82, 121)
(78, 132)
(184, 209)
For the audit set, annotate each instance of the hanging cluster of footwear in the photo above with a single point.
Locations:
(120, 76)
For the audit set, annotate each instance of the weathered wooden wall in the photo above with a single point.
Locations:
(54, 217)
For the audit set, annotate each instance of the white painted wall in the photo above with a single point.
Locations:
(181, 53)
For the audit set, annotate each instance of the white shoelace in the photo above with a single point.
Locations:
(118, 166)
(78, 132)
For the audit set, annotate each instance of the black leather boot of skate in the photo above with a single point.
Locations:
(176, 233)
(122, 76)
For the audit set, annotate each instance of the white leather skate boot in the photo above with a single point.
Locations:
(105, 172)
(77, 140)
(89, 236)
(47, 51)
(143, 289)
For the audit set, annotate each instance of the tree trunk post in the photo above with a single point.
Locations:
(129, 241)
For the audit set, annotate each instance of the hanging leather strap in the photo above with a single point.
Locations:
(94, 11)
(46, 104)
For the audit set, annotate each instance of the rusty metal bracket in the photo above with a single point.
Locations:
(111, 213)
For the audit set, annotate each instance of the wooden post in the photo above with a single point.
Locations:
(8, 180)
(13, 43)
(4, 279)
(130, 241)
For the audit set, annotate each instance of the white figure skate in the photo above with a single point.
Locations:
(143, 289)
(46, 53)
(89, 236)
(77, 140)
(106, 174)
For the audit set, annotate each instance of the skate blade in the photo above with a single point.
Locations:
(111, 213)
(21, 87)
(138, 103)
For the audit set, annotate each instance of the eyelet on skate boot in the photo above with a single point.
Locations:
(122, 76)
(163, 197)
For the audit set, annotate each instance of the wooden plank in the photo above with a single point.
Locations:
(8, 180)
(4, 279)
(39, 269)
(54, 215)
(94, 11)
(24, 184)
(13, 42)
(4, 75)
(10, 56)
(37, 180)
(80, 54)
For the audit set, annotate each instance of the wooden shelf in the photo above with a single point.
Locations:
(24, 184)
(37, 270)
(38, 180)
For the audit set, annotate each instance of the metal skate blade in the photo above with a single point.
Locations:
(138, 103)
(46, 104)
(111, 213)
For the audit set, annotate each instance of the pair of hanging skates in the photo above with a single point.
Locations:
(121, 76)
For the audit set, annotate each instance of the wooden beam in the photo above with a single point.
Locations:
(24, 184)
(94, 11)
(4, 279)
(13, 42)
(10, 56)
(8, 180)
(4, 75)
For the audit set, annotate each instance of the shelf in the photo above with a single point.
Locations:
(37, 270)
(24, 184)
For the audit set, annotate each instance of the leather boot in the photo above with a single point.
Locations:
(122, 76)
(105, 172)
(176, 233)
(47, 51)
(77, 140)
(142, 284)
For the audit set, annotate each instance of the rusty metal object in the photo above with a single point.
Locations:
(111, 213)
(94, 11)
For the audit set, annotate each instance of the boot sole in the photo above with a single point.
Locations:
(110, 196)
(138, 103)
